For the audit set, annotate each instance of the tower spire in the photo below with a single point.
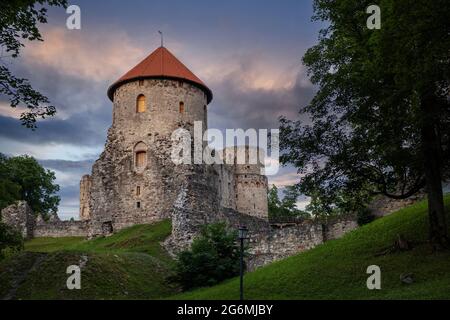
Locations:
(162, 38)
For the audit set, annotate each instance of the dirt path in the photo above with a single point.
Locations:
(19, 277)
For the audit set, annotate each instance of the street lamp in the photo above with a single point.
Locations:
(242, 236)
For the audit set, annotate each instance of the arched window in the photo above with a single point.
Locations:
(140, 155)
(141, 159)
(181, 107)
(140, 104)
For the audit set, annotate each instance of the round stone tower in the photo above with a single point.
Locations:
(135, 181)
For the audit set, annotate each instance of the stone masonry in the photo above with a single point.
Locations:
(135, 181)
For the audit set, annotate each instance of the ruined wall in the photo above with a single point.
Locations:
(251, 191)
(277, 243)
(336, 227)
(242, 187)
(21, 217)
(198, 204)
(85, 189)
(271, 242)
(383, 206)
(55, 228)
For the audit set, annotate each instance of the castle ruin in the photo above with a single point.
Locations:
(135, 181)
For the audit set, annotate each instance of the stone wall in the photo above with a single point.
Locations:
(383, 206)
(21, 217)
(55, 228)
(85, 189)
(336, 227)
(242, 187)
(271, 242)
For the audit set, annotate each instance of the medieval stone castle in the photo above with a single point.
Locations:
(135, 181)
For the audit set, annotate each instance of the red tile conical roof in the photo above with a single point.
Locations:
(161, 63)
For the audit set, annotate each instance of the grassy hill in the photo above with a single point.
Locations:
(128, 265)
(337, 269)
(132, 265)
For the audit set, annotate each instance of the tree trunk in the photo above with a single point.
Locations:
(438, 232)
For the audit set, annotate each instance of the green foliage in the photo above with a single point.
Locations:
(286, 208)
(23, 178)
(364, 216)
(274, 202)
(378, 92)
(213, 257)
(131, 264)
(336, 270)
(19, 21)
(9, 239)
(9, 191)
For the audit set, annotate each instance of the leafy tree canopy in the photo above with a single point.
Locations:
(286, 208)
(23, 178)
(380, 121)
(19, 21)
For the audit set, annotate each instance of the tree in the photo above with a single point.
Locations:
(9, 238)
(213, 257)
(274, 202)
(380, 121)
(286, 208)
(28, 181)
(18, 22)
(9, 191)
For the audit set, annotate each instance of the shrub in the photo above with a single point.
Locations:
(10, 239)
(212, 258)
(364, 216)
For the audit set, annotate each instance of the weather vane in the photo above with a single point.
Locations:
(162, 38)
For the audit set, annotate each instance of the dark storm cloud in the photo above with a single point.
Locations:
(83, 112)
(80, 129)
(237, 107)
(77, 167)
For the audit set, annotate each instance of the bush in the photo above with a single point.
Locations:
(213, 257)
(10, 240)
(364, 216)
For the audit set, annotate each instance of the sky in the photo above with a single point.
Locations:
(247, 52)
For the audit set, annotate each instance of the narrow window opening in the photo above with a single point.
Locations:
(140, 104)
(138, 204)
(138, 190)
(141, 159)
(141, 83)
(181, 107)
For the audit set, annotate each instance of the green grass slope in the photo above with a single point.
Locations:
(337, 269)
(144, 238)
(128, 265)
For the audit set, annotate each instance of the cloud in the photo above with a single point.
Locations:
(253, 97)
(83, 129)
(93, 56)
(251, 90)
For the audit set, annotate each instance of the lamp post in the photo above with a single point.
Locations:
(242, 236)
